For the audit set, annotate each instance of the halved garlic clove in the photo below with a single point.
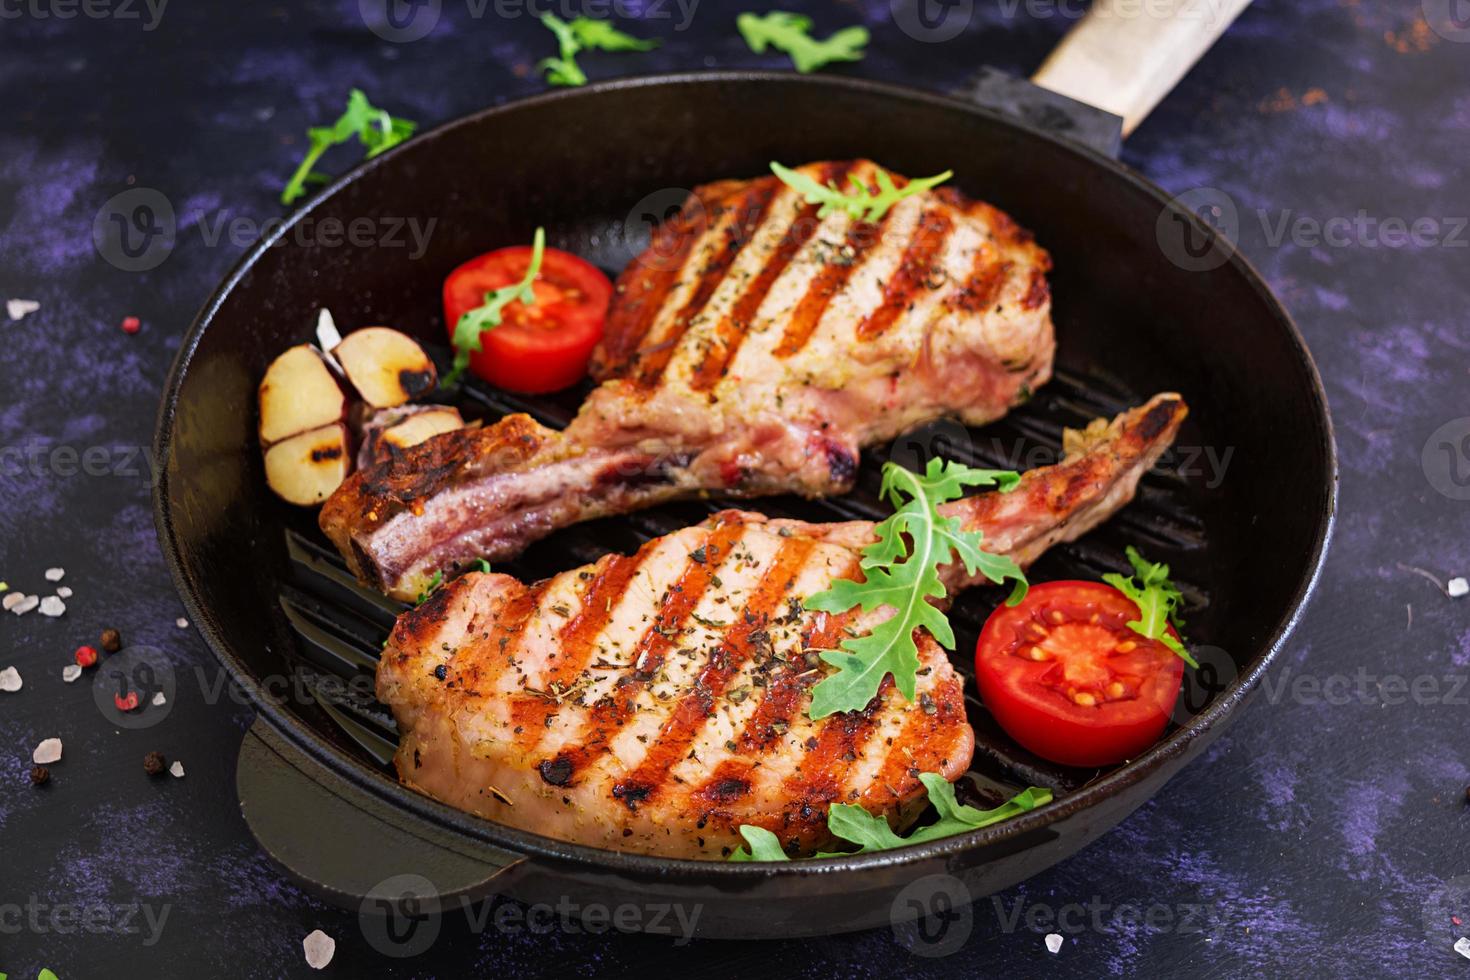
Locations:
(299, 393)
(307, 467)
(387, 367)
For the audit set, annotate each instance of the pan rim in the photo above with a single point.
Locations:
(521, 843)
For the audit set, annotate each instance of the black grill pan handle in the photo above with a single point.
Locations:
(343, 844)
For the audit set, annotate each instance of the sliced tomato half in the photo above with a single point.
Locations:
(539, 347)
(1067, 678)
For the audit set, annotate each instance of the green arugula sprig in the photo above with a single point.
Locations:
(861, 204)
(584, 34)
(1157, 599)
(857, 826)
(430, 588)
(488, 315)
(791, 33)
(374, 128)
(924, 540)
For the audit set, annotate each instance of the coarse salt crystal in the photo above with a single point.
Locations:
(177, 769)
(64, 592)
(9, 679)
(1462, 946)
(319, 948)
(25, 604)
(18, 309)
(52, 606)
(181, 623)
(1457, 587)
(1053, 942)
(159, 700)
(47, 752)
(55, 574)
(71, 672)
(12, 600)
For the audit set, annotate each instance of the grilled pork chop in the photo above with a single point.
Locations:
(753, 349)
(656, 702)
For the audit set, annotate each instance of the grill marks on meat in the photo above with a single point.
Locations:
(658, 701)
(745, 217)
(919, 265)
(753, 349)
(644, 287)
(746, 639)
(733, 325)
(612, 714)
(857, 244)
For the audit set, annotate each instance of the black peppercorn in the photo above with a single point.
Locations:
(40, 775)
(111, 640)
(154, 763)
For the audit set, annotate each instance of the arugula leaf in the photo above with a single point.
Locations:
(488, 315)
(1157, 601)
(918, 534)
(861, 204)
(956, 817)
(764, 845)
(857, 826)
(430, 588)
(562, 70)
(600, 34)
(481, 565)
(791, 34)
(584, 34)
(374, 128)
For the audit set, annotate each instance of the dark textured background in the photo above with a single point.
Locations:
(1324, 833)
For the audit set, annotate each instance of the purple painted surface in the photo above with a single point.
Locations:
(1325, 831)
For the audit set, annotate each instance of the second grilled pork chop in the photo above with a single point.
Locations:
(753, 349)
(656, 702)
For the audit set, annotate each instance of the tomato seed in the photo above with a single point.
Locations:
(1127, 646)
(1084, 699)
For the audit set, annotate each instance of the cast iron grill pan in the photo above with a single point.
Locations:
(1133, 317)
